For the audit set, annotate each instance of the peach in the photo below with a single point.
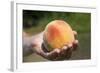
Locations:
(57, 34)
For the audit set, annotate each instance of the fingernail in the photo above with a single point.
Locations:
(75, 45)
(76, 42)
(70, 45)
(57, 50)
(65, 47)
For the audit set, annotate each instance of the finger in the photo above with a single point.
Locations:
(48, 55)
(64, 54)
(74, 32)
(68, 53)
(53, 54)
(75, 45)
(57, 50)
(64, 48)
(70, 46)
(63, 51)
(76, 42)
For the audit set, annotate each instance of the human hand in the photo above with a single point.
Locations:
(57, 54)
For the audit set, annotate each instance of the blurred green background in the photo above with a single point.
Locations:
(35, 22)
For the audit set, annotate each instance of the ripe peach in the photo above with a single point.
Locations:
(57, 34)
